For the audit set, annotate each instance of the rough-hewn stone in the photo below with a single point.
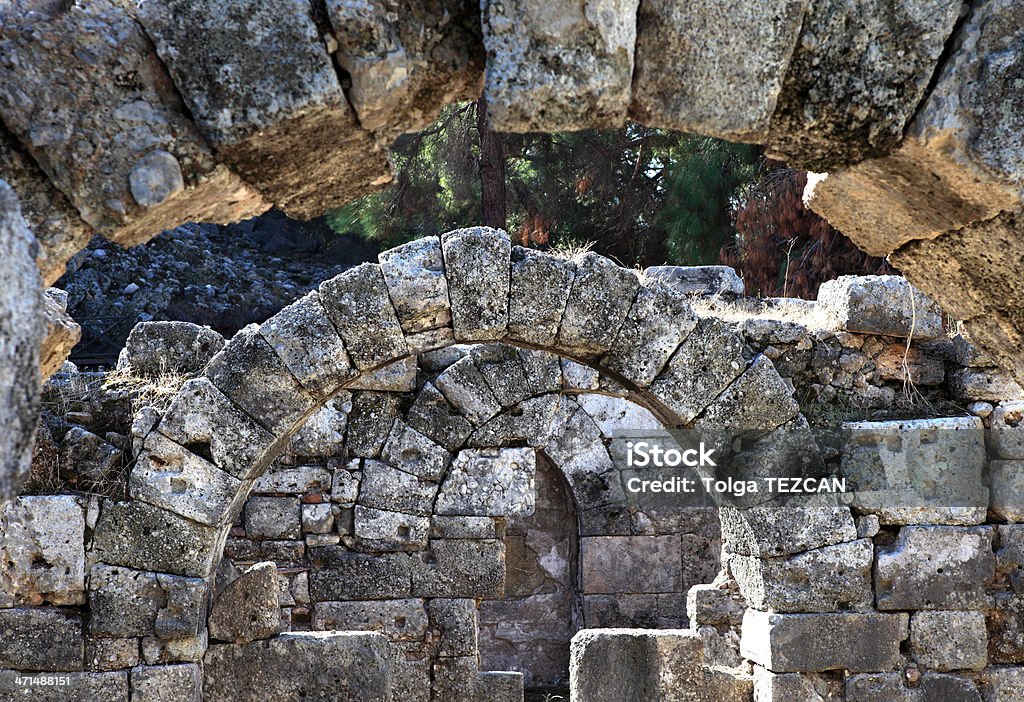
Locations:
(1006, 479)
(358, 304)
(248, 609)
(414, 274)
(601, 297)
(465, 387)
(95, 687)
(42, 551)
(698, 280)
(460, 568)
(410, 451)
(399, 620)
(476, 263)
(386, 487)
(434, 417)
(272, 517)
(880, 304)
(384, 530)
(62, 333)
(773, 530)
(342, 575)
(182, 682)
(483, 483)
(949, 640)
(156, 348)
(373, 414)
(612, 564)
(540, 284)
(41, 639)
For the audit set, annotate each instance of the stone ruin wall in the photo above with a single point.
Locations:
(364, 534)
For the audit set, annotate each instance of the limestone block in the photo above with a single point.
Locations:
(399, 620)
(856, 642)
(41, 639)
(1006, 430)
(880, 304)
(540, 285)
(710, 358)
(388, 488)
(306, 342)
(913, 365)
(414, 274)
(1010, 555)
(935, 567)
(322, 435)
(345, 487)
(251, 374)
(272, 518)
(984, 384)
(529, 422)
(358, 304)
(86, 457)
(382, 530)
(1007, 485)
(698, 280)
(794, 687)
(949, 640)
(126, 602)
(373, 414)
(489, 483)
(476, 263)
(408, 450)
(711, 605)
(317, 519)
(42, 551)
(434, 417)
(157, 683)
(339, 574)
(855, 80)
(631, 564)
(501, 686)
(249, 608)
(933, 687)
(828, 579)
(503, 371)
(922, 471)
(1004, 684)
(442, 527)
(465, 387)
(111, 654)
(560, 66)
(602, 295)
(454, 679)
(122, 151)
(659, 320)
(456, 621)
(95, 687)
(771, 530)
(158, 348)
(314, 665)
(62, 333)
(543, 370)
(189, 649)
(398, 376)
(169, 476)
(138, 535)
(460, 568)
(203, 418)
(689, 58)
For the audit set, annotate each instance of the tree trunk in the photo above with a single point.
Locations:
(492, 170)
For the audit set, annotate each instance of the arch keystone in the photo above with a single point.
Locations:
(476, 264)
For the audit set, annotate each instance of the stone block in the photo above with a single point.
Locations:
(503, 371)
(1006, 430)
(456, 568)
(158, 348)
(387, 488)
(1010, 555)
(880, 304)
(687, 57)
(1004, 684)
(698, 280)
(399, 620)
(317, 519)
(272, 518)
(563, 67)
(466, 528)
(984, 384)
(576, 376)
(398, 376)
(949, 640)
(249, 608)
(456, 621)
(86, 457)
(315, 665)
(41, 639)
(772, 530)
(359, 306)
(381, 530)
(203, 418)
(454, 679)
(182, 682)
(339, 574)
(922, 471)
(540, 285)
(126, 602)
(500, 686)
(631, 564)
(138, 535)
(489, 483)
(95, 687)
(1005, 624)
(322, 434)
(434, 417)
(410, 451)
(373, 415)
(828, 579)
(935, 568)
(711, 605)
(188, 649)
(529, 422)
(476, 263)
(602, 295)
(345, 488)
(465, 387)
(111, 654)
(42, 551)
(543, 370)
(856, 642)
(1006, 480)
(298, 480)
(414, 274)
(795, 687)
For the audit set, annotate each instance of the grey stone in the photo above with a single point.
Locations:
(460, 568)
(935, 567)
(388, 488)
(382, 530)
(1004, 684)
(500, 686)
(454, 679)
(155, 178)
(860, 642)
(158, 348)
(794, 687)
(408, 450)
(879, 687)
(248, 609)
(126, 602)
(1006, 430)
(434, 417)
(949, 688)
(1010, 555)
(399, 620)
(698, 280)
(712, 605)
(540, 285)
(476, 263)
(562, 67)
(529, 422)
(317, 519)
(210, 425)
(62, 333)
(339, 574)
(306, 342)
(949, 640)
(188, 649)
(465, 387)
(323, 432)
(311, 666)
(345, 488)
(86, 457)
(250, 374)
(272, 518)
(601, 297)
(772, 530)
(489, 483)
(414, 274)
(880, 304)
(41, 639)
(111, 654)
(182, 682)
(298, 480)
(1006, 479)
(631, 564)
(95, 687)
(398, 376)
(543, 370)
(442, 527)
(42, 551)
(984, 384)
(138, 535)
(689, 56)
(503, 371)
(373, 414)
(358, 304)
(576, 376)
(456, 620)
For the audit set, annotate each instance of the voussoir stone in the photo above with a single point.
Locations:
(541, 283)
(434, 417)
(466, 388)
(155, 348)
(414, 274)
(476, 263)
(370, 421)
(412, 452)
(602, 295)
(248, 609)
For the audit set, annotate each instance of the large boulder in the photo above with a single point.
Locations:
(156, 348)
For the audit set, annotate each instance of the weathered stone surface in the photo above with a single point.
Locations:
(460, 568)
(486, 483)
(714, 605)
(95, 687)
(306, 342)
(42, 551)
(111, 654)
(981, 384)
(528, 422)
(182, 682)
(358, 304)
(465, 387)
(188, 649)
(383, 530)
(465, 528)
(124, 602)
(503, 371)
(373, 414)
(622, 564)
(1006, 430)
(62, 333)
(41, 639)
(342, 575)
(688, 59)
(414, 274)
(322, 435)
(156, 348)
(317, 519)
(476, 263)
(935, 567)
(933, 687)
(1010, 555)
(251, 375)
(399, 376)
(698, 280)
(1004, 684)
(794, 687)
(880, 304)
(272, 518)
(913, 366)
(1006, 479)
(828, 579)
(310, 666)
(561, 67)
(86, 457)
(248, 609)
(138, 535)
(859, 642)
(434, 417)
(399, 620)
(386, 487)
(922, 471)
(540, 285)
(772, 530)
(410, 451)
(601, 297)
(456, 620)
(949, 640)
(264, 95)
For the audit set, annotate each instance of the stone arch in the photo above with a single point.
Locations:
(222, 431)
